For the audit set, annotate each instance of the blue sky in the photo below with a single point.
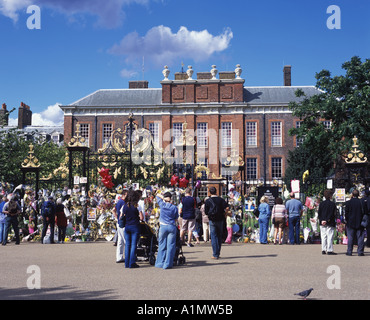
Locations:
(87, 45)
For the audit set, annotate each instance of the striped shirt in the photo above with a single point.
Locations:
(279, 211)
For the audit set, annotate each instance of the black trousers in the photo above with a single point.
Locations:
(62, 233)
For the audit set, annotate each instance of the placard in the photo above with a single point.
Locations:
(295, 186)
(329, 184)
(271, 192)
(91, 214)
(76, 180)
(83, 180)
(340, 195)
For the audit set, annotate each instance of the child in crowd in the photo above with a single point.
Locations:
(229, 226)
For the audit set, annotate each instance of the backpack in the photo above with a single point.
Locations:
(198, 215)
(48, 209)
(12, 207)
(212, 211)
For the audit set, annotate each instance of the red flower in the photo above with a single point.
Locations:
(183, 183)
(174, 180)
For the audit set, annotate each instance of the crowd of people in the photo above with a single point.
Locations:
(356, 219)
(188, 219)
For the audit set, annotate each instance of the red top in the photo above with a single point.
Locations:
(60, 217)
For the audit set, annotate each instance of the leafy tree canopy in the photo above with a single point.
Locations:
(14, 149)
(345, 102)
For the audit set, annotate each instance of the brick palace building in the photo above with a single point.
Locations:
(224, 114)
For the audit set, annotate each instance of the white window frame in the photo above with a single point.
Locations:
(327, 124)
(202, 134)
(106, 127)
(298, 141)
(226, 134)
(274, 168)
(154, 130)
(203, 192)
(85, 133)
(249, 169)
(204, 161)
(251, 134)
(276, 134)
(177, 129)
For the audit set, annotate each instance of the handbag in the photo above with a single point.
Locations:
(256, 212)
(67, 213)
(365, 221)
(365, 218)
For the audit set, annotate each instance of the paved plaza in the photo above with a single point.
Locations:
(88, 270)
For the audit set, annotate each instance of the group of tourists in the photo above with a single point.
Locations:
(356, 218)
(52, 215)
(190, 218)
(129, 213)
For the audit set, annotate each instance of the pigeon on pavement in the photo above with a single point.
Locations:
(304, 294)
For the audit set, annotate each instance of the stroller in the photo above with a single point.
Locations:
(147, 245)
(179, 257)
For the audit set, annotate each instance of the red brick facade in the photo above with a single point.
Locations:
(210, 102)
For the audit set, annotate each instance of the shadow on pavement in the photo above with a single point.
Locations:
(256, 256)
(202, 263)
(60, 293)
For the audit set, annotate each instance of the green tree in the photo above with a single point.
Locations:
(14, 149)
(344, 101)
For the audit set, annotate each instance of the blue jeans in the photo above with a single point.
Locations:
(166, 246)
(2, 231)
(132, 234)
(294, 229)
(51, 222)
(11, 221)
(264, 225)
(360, 235)
(216, 229)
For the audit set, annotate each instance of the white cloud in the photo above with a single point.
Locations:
(52, 116)
(161, 46)
(110, 13)
(13, 122)
(125, 73)
(10, 8)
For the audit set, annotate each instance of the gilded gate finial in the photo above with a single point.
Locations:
(355, 155)
(31, 161)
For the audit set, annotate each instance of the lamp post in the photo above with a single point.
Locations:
(77, 144)
(31, 164)
(131, 120)
(356, 163)
(185, 146)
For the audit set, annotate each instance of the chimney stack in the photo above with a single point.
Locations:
(138, 84)
(24, 116)
(287, 76)
(4, 116)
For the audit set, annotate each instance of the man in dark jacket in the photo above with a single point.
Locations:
(327, 212)
(216, 221)
(48, 217)
(353, 217)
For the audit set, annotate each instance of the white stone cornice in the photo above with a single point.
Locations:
(168, 109)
